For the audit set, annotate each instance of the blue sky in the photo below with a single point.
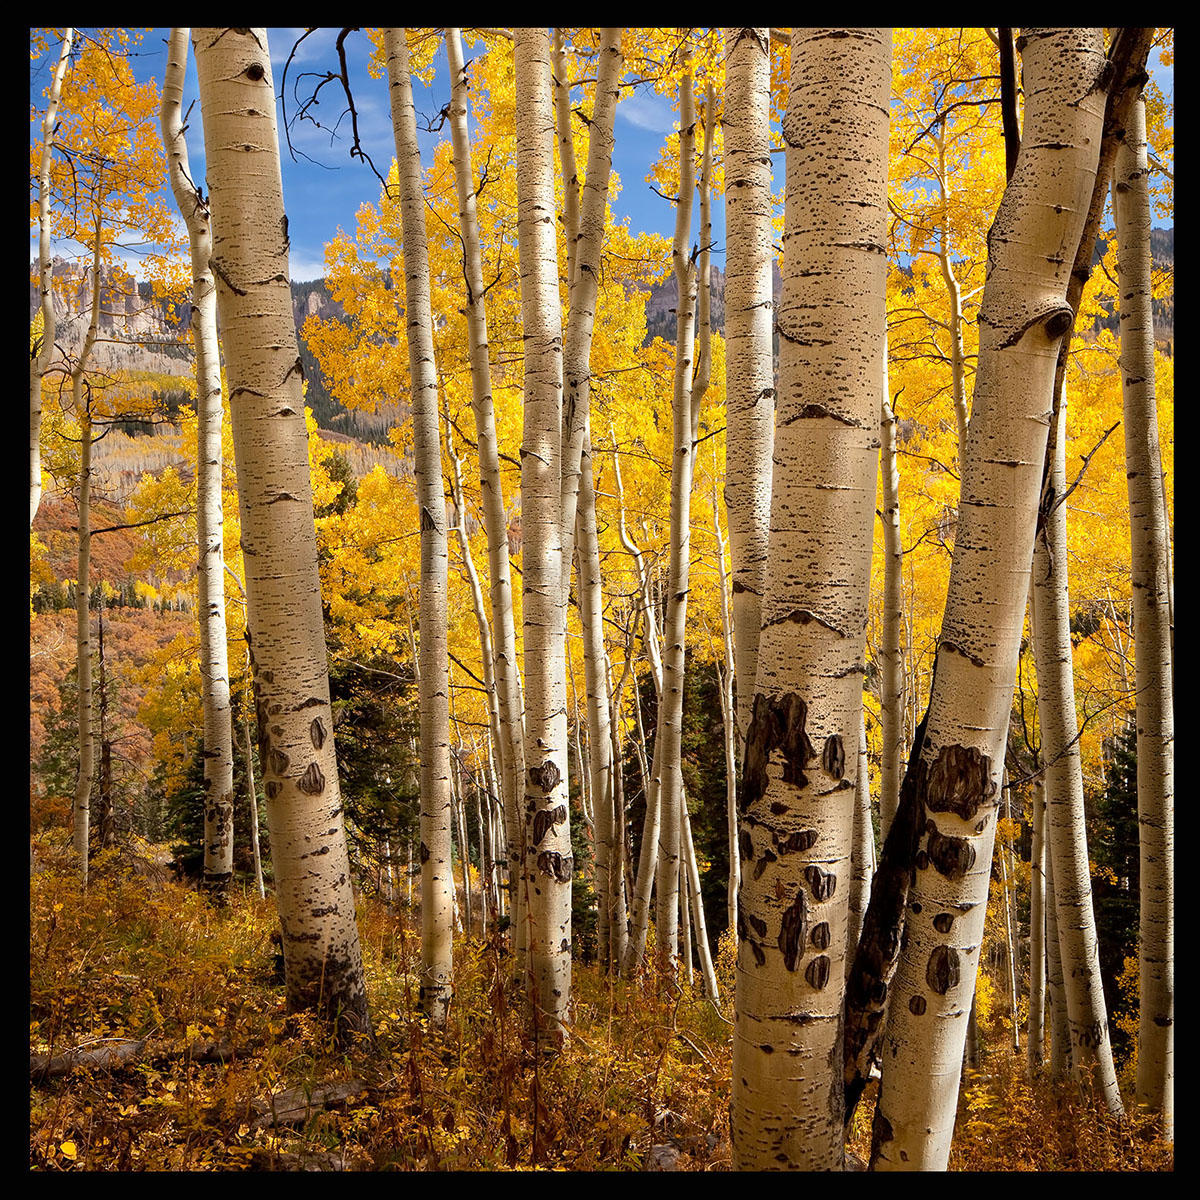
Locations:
(325, 193)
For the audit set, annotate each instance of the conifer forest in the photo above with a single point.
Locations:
(601, 599)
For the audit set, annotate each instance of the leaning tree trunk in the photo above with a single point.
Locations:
(1060, 1039)
(214, 653)
(322, 958)
(1066, 829)
(39, 363)
(510, 748)
(548, 861)
(1152, 628)
(801, 760)
(1022, 320)
(437, 803)
(749, 373)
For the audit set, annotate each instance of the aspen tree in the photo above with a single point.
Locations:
(1149, 528)
(437, 801)
(83, 637)
(670, 715)
(801, 759)
(891, 687)
(39, 362)
(1066, 829)
(510, 747)
(548, 860)
(1022, 319)
(1036, 1037)
(749, 372)
(583, 220)
(322, 958)
(214, 654)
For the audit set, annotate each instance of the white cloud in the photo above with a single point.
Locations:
(648, 111)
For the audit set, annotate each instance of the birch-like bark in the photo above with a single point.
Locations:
(510, 747)
(214, 653)
(548, 860)
(83, 632)
(725, 679)
(618, 924)
(691, 382)
(583, 221)
(891, 653)
(749, 372)
(599, 717)
(1056, 1001)
(39, 363)
(437, 881)
(1036, 1038)
(1010, 948)
(1022, 320)
(1152, 628)
(1066, 827)
(322, 958)
(862, 855)
(801, 761)
(584, 240)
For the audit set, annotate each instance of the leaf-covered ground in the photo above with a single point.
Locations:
(644, 1080)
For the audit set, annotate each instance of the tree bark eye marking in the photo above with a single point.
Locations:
(316, 731)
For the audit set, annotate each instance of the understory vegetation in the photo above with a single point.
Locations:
(227, 1079)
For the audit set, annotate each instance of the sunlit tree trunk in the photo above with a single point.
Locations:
(1060, 1038)
(548, 859)
(1066, 828)
(322, 957)
(583, 219)
(670, 709)
(801, 760)
(214, 653)
(437, 881)
(1022, 320)
(39, 362)
(891, 652)
(749, 373)
(1152, 629)
(725, 677)
(83, 634)
(862, 854)
(1035, 1041)
(510, 747)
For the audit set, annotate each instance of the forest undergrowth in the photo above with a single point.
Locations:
(224, 1078)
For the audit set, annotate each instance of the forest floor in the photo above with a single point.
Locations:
(206, 1070)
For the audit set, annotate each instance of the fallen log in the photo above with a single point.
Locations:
(294, 1106)
(120, 1052)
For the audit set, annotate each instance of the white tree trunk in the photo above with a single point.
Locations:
(1022, 319)
(283, 591)
(749, 373)
(862, 855)
(1060, 1038)
(1152, 629)
(214, 653)
(437, 881)
(39, 363)
(891, 654)
(801, 761)
(1066, 828)
(548, 860)
(83, 634)
(1036, 1038)
(510, 746)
